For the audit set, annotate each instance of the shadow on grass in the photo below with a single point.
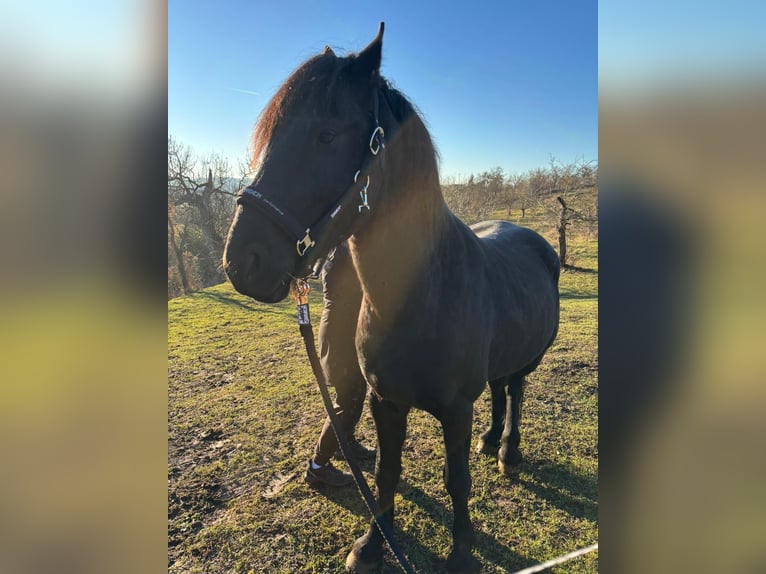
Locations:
(487, 546)
(580, 269)
(226, 299)
(229, 300)
(570, 491)
(423, 559)
(576, 295)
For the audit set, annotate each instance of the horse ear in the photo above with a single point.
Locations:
(368, 60)
(328, 50)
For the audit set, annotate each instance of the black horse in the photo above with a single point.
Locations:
(340, 154)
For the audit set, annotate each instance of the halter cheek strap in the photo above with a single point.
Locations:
(306, 237)
(253, 197)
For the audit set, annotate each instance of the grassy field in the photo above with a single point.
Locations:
(245, 413)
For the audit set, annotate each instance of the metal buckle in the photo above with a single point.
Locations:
(306, 242)
(374, 138)
(302, 290)
(363, 192)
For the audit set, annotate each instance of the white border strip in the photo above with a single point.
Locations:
(559, 560)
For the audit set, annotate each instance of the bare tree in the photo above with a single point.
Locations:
(575, 181)
(178, 250)
(201, 191)
(470, 201)
(562, 230)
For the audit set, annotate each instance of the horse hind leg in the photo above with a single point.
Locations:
(509, 456)
(489, 442)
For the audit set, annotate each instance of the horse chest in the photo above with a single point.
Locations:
(423, 371)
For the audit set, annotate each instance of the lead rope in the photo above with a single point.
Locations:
(307, 332)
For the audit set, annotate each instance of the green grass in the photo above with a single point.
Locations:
(245, 413)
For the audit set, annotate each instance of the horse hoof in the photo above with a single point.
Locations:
(487, 448)
(462, 563)
(508, 469)
(366, 554)
(355, 564)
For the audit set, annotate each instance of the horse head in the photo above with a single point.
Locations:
(315, 147)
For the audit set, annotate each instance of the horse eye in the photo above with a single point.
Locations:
(326, 137)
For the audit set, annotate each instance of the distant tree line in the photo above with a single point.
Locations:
(562, 195)
(201, 204)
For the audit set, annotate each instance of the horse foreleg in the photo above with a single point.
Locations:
(509, 457)
(391, 426)
(489, 442)
(457, 442)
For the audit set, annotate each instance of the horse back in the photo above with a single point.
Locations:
(507, 244)
(522, 272)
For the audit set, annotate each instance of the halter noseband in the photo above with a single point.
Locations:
(290, 225)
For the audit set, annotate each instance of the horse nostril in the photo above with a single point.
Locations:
(255, 262)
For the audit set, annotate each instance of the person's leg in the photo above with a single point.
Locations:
(337, 350)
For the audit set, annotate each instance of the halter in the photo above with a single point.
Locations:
(306, 237)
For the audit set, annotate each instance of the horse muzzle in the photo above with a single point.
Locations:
(255, 271)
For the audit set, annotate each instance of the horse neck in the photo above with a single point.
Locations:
(394, 250)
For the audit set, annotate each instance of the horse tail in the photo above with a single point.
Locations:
(553, 263)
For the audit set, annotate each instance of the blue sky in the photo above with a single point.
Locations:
(655, 43)
(505, 84)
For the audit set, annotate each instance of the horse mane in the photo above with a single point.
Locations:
(411, 133)
(317, 78)
(302, 81)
